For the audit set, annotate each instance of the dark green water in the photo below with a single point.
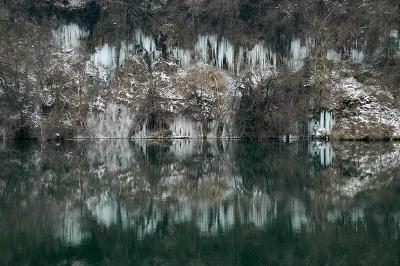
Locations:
(199, 203)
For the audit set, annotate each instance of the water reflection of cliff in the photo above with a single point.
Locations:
(83, 192)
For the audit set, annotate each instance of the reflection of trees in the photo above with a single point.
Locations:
(128, 170)
(273, 166)
(30, 170)
(365, 166)
(345, 241)
(74, 202)
(168, 171)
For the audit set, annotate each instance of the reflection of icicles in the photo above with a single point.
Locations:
(183, 148)
(262, 210)
(298, 214)
(209, 218)
(107, 211)
(115, 122)
(333, 215)
(396, 219)
(70, 230)
(326, 155)
(357, 214)
(109, 157)
(324, 151)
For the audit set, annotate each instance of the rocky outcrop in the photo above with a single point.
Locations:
(72, 4)
(142, 84)
(363, 110)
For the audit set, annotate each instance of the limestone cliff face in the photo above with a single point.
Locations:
(103, 78)
(360, 110)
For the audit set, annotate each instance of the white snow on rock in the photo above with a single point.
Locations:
(370, 166)
(360, 104)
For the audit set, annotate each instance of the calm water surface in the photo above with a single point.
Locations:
(199, 203)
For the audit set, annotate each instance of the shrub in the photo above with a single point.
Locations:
(362, 76)
(247, 11)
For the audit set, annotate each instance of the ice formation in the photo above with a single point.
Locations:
(106, 210)
(111, 56)
(299, 52)
(115, 122)
(322, 127)
(209, 49)
(113, 156)
(69, 36)
(210, 218)
(70, 229)
(323, 152)
(186, 128)
(326, 121)
(355, 54)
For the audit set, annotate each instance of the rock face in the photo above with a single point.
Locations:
(72, 5)
(142, 85)
(363, 111)
(166, 103)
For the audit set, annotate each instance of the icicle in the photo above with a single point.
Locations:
(104, 56)
(322, 120)
(115, 122)
(69, 36)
